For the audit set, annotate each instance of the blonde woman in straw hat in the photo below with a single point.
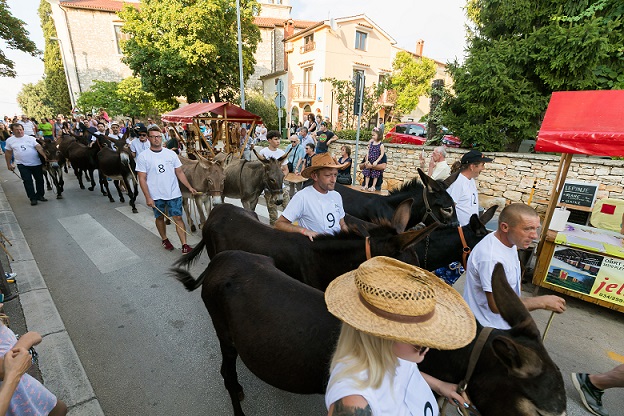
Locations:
(392, 313)
(317, 208)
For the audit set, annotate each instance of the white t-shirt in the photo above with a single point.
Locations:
(316, 211)
(410, 395)
(162, 181)
(464, 193)
(481, 262)
(24, 150)
(441, 171)
(29, 127)
(138, 147)
(275, 154)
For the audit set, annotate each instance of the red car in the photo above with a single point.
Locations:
(449, 140)
(408, 133)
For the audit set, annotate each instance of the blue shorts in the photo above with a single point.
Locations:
(171, 207)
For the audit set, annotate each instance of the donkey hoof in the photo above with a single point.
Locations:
(59, 197)
(49, 188)
(193, 228)
(82, 187)
(111, 200)
(135, 211)
(122, 200)
(241, 396)
(91, 188)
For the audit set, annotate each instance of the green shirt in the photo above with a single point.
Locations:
(46, 129)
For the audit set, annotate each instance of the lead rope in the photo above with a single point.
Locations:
(428, 210)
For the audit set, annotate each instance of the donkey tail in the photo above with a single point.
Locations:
(189, 259)
(184, 277)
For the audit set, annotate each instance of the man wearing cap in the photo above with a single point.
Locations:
(464, 189)
(115, 134)
(140, 144)
(517, 228)
(318, 208)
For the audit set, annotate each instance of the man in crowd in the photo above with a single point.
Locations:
(517, 228)
(305, 137)
(29, 127)
(140, 144)
(150, 123)
(464, 189)
(438, 168)
(318, 208)
(324, 138)
(26, 151)
(297, 152)
(273, 151)
(159, 170)
(57, 131)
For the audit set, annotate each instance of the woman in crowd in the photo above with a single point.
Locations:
(344, 166)
(311, 123)
(4, 134)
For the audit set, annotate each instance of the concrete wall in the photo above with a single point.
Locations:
(510, 175)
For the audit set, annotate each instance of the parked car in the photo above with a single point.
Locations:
(407, 133)
(449, 140)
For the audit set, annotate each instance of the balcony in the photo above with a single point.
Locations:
(303, 92)
(310, 46)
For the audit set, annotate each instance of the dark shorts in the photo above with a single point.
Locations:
(171, 207)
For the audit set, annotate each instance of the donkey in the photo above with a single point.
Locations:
(81, 157)
(246, 180)
(315, 263)
(119, 166)
(431, 202)
(54, 167)
(285, 336)
(206, 177)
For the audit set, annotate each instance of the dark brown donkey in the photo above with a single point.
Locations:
(119, 166)
(315, 263)
(285, 336)
(54, 166)
(81, 157)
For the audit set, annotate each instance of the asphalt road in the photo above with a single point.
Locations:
(147, 345)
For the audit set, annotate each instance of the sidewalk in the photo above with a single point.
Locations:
(61, 369)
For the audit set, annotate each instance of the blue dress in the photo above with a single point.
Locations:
(374, 151)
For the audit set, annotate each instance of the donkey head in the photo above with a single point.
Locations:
(273, 175)
(214, 178)
(437, 200)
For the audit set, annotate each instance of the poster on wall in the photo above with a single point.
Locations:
(587, 273)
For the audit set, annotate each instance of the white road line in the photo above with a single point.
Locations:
(103, 249)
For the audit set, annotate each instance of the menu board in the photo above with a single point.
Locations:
(579, 193)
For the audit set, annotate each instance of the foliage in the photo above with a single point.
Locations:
(344, 95)
(189, 48)
(14, 33)
(410, 79)
(33, 99)
(348, 134)
(55, 80)
(123, 98)
(519, 53)
(263, 107)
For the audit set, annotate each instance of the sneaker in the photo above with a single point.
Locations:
(186, 249)
(590, 395)
(10, 275)
(167, 244)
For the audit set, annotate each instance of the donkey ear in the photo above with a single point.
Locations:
(285, 155)
(260, 157)
(509, 304)
(488, 214)
(522, 362)
(431, 184)
(402, 215)
(412, 237)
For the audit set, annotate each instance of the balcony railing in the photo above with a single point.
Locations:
(303, 92)
(310, 46)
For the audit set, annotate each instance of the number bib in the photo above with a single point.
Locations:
(419, 398)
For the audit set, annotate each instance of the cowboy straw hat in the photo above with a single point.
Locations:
(390, 299)
(319, 161)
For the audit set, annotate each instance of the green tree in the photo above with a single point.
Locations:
(411, 79)
(189, 48)
(519, 53)
(265, 108)
(55, 80)
(344, 96)
(33, 99)
(14, 33)
(101, 94)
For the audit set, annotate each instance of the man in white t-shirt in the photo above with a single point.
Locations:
(140, 144)
(159, 170)
(517, 228)
(29, 127)
(318, 208)
(261, 133)
(274, 152)
(464, 189)
(26, 152)
(438, 168)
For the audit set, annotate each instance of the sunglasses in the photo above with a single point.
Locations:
(420, 350)
(143, 134)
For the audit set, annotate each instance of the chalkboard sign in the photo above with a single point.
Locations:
(579, 193)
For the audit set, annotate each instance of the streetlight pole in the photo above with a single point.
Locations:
(240, 55)
(72, 99)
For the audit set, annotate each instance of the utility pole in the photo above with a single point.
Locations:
(240, 56)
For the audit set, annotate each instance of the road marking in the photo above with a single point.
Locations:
(103, 249)
(616, 357)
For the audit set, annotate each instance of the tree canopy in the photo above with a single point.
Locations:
(33, 99)
(15, 35)
(189, 48)
(411, 79)
(518, 53)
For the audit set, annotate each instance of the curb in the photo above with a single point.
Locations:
(59, 363)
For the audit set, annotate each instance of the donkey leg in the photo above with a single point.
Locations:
(185, 205)
(47, 180)
(131, 194)
(92, 176)
(118, 187)
(78, 174)
(230, 377)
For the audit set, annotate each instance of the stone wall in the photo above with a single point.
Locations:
(510, 175)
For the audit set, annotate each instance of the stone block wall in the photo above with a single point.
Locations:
(510, 175)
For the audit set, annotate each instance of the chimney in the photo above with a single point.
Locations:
(289, 30)
(419, 47)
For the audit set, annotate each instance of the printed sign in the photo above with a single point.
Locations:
(579, 193)
(587, 273)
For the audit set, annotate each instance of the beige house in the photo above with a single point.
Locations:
(338, 48)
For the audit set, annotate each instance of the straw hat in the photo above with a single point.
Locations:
(390, 299)
(319, 161)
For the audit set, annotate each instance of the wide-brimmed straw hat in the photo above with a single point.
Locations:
(390, 299)
(319, 161)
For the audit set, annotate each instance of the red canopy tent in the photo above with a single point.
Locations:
(221, 113)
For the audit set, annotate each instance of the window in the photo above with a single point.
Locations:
(360, 40)
(119, 36)
(308, 39)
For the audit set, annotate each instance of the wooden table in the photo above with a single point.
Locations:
(294, 179)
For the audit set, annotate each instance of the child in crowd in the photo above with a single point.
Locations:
(376, 152)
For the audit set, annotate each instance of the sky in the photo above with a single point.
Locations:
(440, 23)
